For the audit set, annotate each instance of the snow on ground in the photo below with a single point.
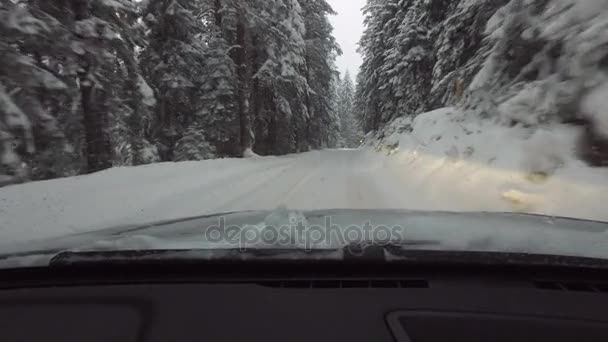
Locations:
(447, 163)
(457, 163)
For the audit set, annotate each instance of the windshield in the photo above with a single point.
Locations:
(431, 124)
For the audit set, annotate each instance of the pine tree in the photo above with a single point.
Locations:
(75, 49)
(174, 64)
(218, 112)
(27, 84)
(346, 110)
(95, 39)
(417, 54)
(277, 77)
(320, 73)
(381, 23)
(193, 145)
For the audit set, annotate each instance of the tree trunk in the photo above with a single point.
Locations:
(256, 96)
(218, 14)
(240, 59)
(95, 122)
(135, 103)
(93, 99)
(309, 109)
(135, 120)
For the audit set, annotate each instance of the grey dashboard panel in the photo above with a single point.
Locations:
(252, 312)
(428, 326)
(68, 320)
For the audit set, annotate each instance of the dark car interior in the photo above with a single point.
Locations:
(306, 300)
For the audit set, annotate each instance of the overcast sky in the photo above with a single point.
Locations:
(348, 25)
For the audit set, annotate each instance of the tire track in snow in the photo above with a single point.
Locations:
(364, 193)
(275, 191)
(293, 190)
(325, 187)
(200, 200)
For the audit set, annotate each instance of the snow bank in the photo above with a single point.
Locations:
(248, 153)
(128, 196)
(452, 161)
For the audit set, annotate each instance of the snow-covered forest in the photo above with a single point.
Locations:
(90, 84)
(86, 85)
(529, 64)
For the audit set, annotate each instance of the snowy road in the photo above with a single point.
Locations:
(124, 196)
(316, 180)
(330, 179)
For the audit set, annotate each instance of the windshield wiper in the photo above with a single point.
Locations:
(353, 254)
(190, 256)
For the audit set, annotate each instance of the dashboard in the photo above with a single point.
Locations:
(283, 302)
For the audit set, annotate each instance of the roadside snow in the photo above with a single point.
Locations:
(249, 154)
(594, 107)
(454, 162)
(126, 196)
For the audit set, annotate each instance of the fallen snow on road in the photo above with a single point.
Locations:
(445, 163)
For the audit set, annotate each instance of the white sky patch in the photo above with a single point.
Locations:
(348, 25)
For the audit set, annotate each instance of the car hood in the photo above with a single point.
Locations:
(284, 229)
